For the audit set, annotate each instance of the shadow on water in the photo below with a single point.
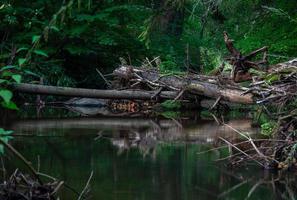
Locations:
(143, 158)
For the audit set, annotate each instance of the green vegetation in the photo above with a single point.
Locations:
(268, 128)
(7, 75)
(64, 42)
(171, 105)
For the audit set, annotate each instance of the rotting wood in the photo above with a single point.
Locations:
(241, 64)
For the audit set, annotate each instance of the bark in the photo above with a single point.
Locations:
(90, 93)
(241, 64)
(187, 87)
(192, 86)
(205, 86)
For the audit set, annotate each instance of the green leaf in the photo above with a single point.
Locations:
(4, 132)
(54, 28)
(270, 78)
(35, 38)
(22, 49)
(31, 73)
(6, 95)
(22, 61)
(3, 81)
(40, 52)
(17, 78)
(10, 105)
(7, 74)
(8, 67)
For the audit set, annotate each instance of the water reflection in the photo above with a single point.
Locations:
(144, 158)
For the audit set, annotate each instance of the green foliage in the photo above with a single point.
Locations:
(68, 34)
(171, 114)
(171, 105)
(169, 65)
(65, 42)
(268, 128)
(5, 136)
(8, 74)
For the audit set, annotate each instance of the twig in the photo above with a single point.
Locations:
(86, 186)
(253, 189)
(232, 188)
(102, 76)
(249, 139)
(179, 95)
(22, 158)
(54, 179)
(226, 141)
(57, 188)
(216, 102)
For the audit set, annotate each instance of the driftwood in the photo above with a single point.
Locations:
(90, 93)
(23, 186)
(205, 86)
(187, 87)
(208, 88)
(241, 64)
(146, 83)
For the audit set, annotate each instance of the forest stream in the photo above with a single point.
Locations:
(141, 158)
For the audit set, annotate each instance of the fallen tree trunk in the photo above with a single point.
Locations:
(187, 87)
(205, 86)
(90, 93)
(196, 88)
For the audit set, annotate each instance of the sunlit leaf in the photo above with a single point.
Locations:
(21, 61)
(22, 49)
(17, 78)
(55, 28)
(40, 52)
(10, 105)
(35, 38)
(6, 95)
(2, 132)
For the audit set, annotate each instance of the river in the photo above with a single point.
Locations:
(141, 158)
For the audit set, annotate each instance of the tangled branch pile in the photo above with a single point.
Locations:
(277, 90)
(21, 186)
(272, 87)
(279, 84)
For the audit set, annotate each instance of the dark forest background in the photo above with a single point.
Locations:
(65, 41)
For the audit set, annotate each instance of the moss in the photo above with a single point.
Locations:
(171, 105)
(171, 114)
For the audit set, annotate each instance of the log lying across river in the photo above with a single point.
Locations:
(147, 84)
(89, 93)
(207, 89)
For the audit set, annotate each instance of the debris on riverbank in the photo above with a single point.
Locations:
(279, 102)
(21, 186)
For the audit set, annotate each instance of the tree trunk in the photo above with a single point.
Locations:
(205, 86)
(90, 93)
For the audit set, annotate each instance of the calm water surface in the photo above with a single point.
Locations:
(142, 158)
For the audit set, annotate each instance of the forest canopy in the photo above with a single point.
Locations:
(65, 41)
